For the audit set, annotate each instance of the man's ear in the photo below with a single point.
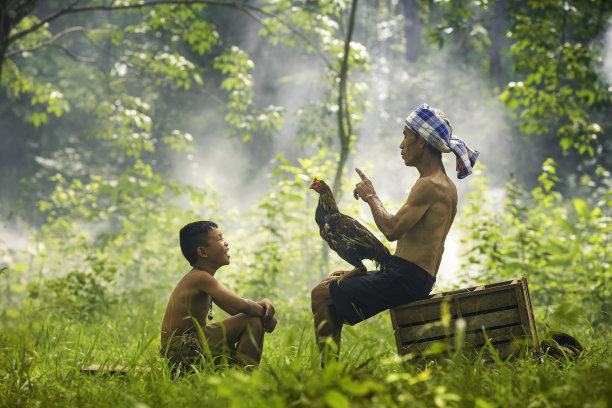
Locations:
(201, 252)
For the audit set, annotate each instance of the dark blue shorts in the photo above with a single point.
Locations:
(359, 297)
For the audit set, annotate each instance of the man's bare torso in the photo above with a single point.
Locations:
(423, 243)
(186, 303)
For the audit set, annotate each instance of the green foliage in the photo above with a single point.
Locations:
(40, 359)
(545, 58)
(239, 84)
(111, 232)
(81, 293)
(92, 284)
(562, 245)
(45, 98)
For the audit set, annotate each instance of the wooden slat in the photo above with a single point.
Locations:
(505, 333)
(525, 311)
(465, 292)
(534, 328)
(477, 339)
(480, 301)
(522, 308)
(486, 320)
(396, 333)
(503, 350)
(394, 319)
(475, 288)
(420, 348)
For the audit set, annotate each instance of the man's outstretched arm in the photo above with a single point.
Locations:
(393, 226)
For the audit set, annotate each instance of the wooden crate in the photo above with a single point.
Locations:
(502, 309)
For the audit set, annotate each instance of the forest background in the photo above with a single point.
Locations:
(121, 121)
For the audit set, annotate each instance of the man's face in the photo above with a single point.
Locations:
(217, 249)
(409, 146)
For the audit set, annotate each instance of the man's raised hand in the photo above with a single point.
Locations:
(364, 188)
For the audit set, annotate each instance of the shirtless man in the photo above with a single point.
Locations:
(238, 338)
(420, 227)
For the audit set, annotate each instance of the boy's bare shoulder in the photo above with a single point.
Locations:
(196, 279)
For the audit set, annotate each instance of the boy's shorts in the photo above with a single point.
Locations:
(359, 297)
(188, 349)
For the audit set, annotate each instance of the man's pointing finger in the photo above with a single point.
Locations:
(363, 177)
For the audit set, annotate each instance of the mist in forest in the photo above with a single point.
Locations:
(290, 78)
(225, 163)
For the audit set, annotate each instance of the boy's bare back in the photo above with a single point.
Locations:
(188, 304)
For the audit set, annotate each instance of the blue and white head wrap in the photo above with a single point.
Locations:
(425, 122)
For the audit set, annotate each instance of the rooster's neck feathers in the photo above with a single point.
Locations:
(328, 201)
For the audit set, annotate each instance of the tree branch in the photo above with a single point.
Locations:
(71, 55)
(48, 42)
(249, 9)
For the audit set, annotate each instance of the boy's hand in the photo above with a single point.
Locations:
(269, 324)
(268, 307)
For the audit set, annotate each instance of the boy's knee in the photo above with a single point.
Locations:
(255, 323)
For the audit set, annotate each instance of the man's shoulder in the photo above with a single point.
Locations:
(434, 189)
(434, 184)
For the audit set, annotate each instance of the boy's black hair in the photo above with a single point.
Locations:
(192, 236)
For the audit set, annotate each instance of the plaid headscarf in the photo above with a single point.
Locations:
(424, 122)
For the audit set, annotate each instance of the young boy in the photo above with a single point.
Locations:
(238, 338)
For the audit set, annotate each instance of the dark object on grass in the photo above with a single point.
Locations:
(561, 346)
(352, 241)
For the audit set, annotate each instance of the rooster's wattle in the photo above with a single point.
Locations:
(345, 235)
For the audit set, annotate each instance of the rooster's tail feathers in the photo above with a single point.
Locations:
(382, 258)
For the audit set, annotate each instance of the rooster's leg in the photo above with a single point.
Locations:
(345, 274)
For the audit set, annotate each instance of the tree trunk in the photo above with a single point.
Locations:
(412, 29)
(11, 13)
(344, 118)
(497, 28)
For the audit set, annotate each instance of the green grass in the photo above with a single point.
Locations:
(40, 358)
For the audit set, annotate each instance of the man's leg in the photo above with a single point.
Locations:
(248, 335)
(327, 323)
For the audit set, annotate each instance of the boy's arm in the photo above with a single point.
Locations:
(269, 320)
(227, 300)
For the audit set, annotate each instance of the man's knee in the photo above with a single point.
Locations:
(320, 296)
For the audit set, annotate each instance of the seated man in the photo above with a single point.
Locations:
(238, 338)
(420, 227)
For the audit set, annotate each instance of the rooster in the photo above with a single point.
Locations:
(345, 235)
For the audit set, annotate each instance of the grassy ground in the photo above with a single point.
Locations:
(40, 358)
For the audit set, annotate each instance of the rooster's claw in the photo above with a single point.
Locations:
(345, 274)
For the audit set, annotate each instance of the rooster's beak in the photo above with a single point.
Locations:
(314, 184)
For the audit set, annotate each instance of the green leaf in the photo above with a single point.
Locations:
(334, 399)
(582, 208)
(566, 225)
